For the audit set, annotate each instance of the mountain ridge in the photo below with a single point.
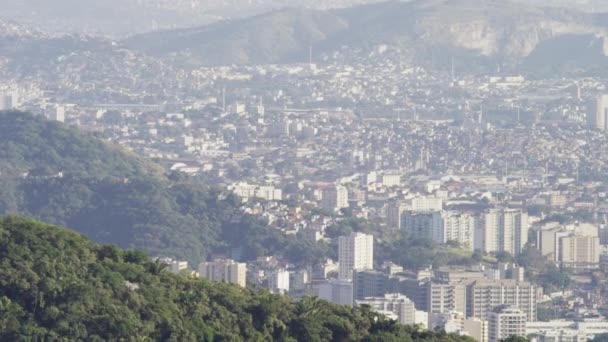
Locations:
(506, 31)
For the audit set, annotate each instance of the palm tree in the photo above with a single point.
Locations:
(157, 267)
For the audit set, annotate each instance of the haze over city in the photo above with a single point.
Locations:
(211, 170)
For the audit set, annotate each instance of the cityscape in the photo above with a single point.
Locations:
(456, 194)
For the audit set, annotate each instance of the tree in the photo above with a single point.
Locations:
(503, 256)
(57, 285)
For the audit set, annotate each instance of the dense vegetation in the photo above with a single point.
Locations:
(33, 145)
(57, 284)
(395, 245)
(115, 197)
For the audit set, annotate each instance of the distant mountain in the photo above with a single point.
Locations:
(61, 61)
(494, 31)
(56, 174)
(118, 18)
(270, 38)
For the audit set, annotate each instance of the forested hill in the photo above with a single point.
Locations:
(56, 284)
(59, 175)
(34, 145)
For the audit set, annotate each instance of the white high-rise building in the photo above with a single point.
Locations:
(278, 281)
(58, 114)
(226, 270)
(504, 322)
(394, 305)
(459, 227)
(503, 230)
(355, 252)
(578, 251)
(334, 198)
(598, 115)
(483, 296)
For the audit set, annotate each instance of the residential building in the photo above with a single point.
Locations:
(423, 224)
(225, 270)
(548, 241)
(334, 198)
(393, 304)
(446, 297)
(394, 212)
(278, 281)
(459, 227)
(476, 328)
(335, 291)
(565, 331)
(427, 203)
(598, 115)
(503, 230)
(355, 253)
(485, 295)
(506, 321)
(391, 179)
(577, 251)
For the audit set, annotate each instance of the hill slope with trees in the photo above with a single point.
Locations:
(59, 175)
(56, 284)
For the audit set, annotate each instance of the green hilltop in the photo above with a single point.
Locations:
(56, 174)
(57, 285)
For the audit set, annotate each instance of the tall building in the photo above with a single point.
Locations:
(278, 281)
(376, 284)
(477, 329)
(483, 296)
(503, 230)
(447, 297)
(371, 284)
(394, 212)
(355, 253)
(504, 322)
(396, 305)
(548, 241)
(578, 251)
(335, 291)
(58, 114)
(460, 227)
(334, 198)
(226, 270)
(423, 225)
(598, 115)
(570, 249)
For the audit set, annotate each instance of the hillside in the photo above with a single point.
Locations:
(115, 17)
(56, 284)
(486, 30)
(56, 174)
(34, 145)
(269, 38)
